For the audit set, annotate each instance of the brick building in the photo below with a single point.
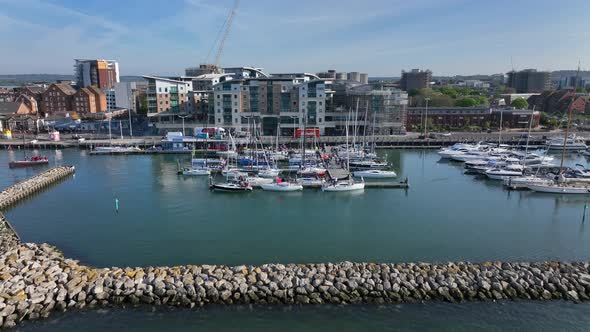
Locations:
(100, 99)
(83, 101)
(57, 99)
(29, 102)
(461, 117)
(558, 102)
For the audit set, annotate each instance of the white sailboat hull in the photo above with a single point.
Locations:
(554, 189)
(343, 187)
(284, 187)
(375, 174)
(196, 172)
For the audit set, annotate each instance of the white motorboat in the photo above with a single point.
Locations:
(312, 171)
(281, 186)
(581, 172)
(504, 172)
(573, 143)
(375, 174)
(343, 186)
(196, 171)
(560, 189)
(368, 164)
(269, 173)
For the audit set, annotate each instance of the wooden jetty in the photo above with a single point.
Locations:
(32, 185)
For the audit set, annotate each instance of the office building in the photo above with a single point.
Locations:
(529, 80)
(100, 73)
(415, 79)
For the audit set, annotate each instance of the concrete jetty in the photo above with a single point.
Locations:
(24, 189)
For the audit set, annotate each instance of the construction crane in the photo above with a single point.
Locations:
(221, 37)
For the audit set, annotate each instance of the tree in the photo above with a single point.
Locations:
(143, 107)
(449, 91)
(413, 92)
(544, 120)
(481, 100)
(580, 90)
(520, 103)
(466, 102)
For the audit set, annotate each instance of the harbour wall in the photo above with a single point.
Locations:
(37, 280)
(30, 186)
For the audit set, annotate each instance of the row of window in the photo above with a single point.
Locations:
(171, 89)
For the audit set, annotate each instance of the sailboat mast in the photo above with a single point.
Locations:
(500, 136)
(365, 124)
(526, 149)
(567, 128)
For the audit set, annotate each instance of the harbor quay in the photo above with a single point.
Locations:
(411, 140)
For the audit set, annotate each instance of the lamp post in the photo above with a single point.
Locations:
(182, 117)
(426, 116)
(130, 125)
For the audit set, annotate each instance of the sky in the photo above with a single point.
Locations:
(380, 37)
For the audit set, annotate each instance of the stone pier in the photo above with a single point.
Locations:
(32, 185)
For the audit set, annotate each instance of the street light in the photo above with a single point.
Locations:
(183, 117)
(130, 125)
(426, 116)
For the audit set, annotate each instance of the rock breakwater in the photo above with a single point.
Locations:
(36, 280)
(23, 189)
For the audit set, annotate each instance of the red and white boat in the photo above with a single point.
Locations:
(34, 161)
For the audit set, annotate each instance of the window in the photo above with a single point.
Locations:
(235, 96)
(159, 89)
(320, 102)
(218, 120)
(165, 89)
(166, 102)
(181, 88)
(320, 120)
(161, 102)
(236, 120)
(235, 110)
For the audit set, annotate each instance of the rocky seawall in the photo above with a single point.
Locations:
(26, 188)
(36, 280)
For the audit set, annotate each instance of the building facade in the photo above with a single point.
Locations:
(529, 80)
(83, 101)
(57, 99)
(447, 118)
(168, 95)
(100, 73)
(277, 103)
(415, 79)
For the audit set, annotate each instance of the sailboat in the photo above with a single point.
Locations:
(344, 185)
(561, 185)
(27, 162)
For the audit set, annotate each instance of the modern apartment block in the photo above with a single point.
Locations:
(377, 108)
(100, 73)
(415, 79)
(285, 101)
(529, 80)
(168, 95)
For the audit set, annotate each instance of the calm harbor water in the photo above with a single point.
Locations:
(165, 219)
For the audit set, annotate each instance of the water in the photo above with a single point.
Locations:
(165, 219)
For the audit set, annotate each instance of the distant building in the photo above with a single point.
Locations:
(201, 70)
(100, 73)
(354, 76)
(33, 91)
(529, 80)
(415, 79)
(7, 95)
(29, 102)
(510, 97)
(245, 72)
(330, 74)
(364, 78)
(99, 98)
(558, 102)
(341, 76)
(446, 118)
(83, 101)
(57, 99)
(127, 95)
(167, 95)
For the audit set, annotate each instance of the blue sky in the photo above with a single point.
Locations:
(380, 37)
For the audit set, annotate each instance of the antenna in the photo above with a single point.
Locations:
(511, 63)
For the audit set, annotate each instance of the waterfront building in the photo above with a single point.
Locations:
(415, 79)
(285, 101)
(529, 80)
(167, 95)
(34, 91)
(447, 118)
(83, 101)
(558, 102)
(99, 98)
(245, 72)
(100, 73)
(57, 99)
(126, 95)
(29, 102)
